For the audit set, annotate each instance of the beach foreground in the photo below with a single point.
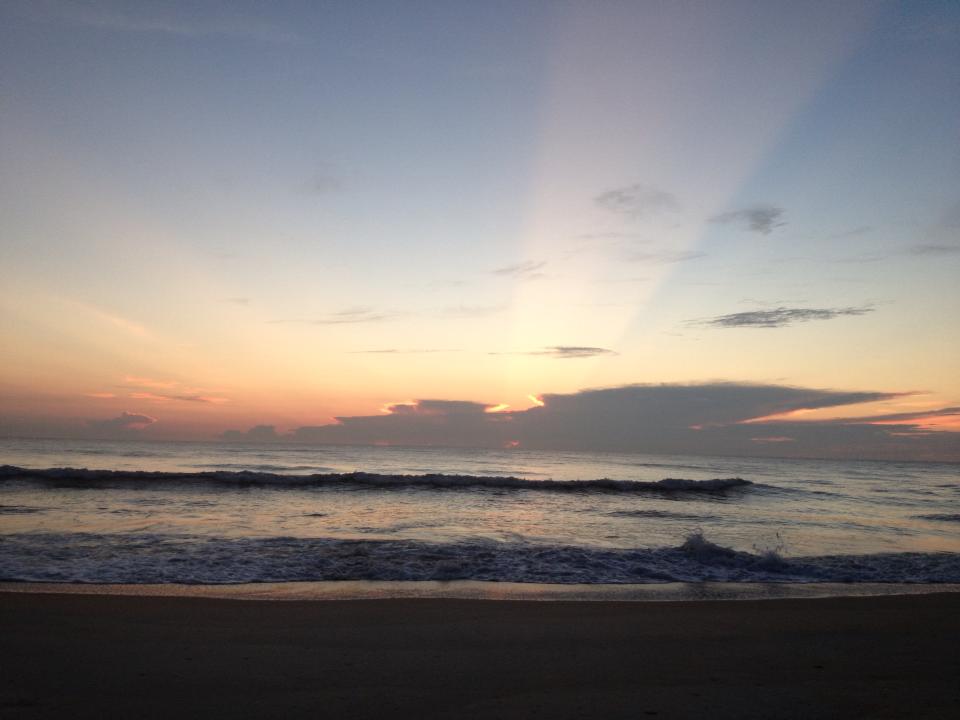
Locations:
(157, 657)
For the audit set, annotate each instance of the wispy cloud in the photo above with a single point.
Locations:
(348, 316)
(526, 270)
(609, 236)
(935, 249)
(563, 352)
(354, 315)
(472, 311)
(188, 397)
(162, 19)
(853, 232)
(148, 382)
(324, 181)
(398, 351)
(114, 320)
(571, 352)
(761, 219)
(174, 391)
(779, 317)
(238, 300)
(661, 257)
(637, 200)
(860, 258)
(440, 284)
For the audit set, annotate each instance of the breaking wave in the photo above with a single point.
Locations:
(188, 559)
(374, 480)
(942, 517)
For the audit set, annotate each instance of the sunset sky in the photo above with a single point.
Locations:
(215, 216)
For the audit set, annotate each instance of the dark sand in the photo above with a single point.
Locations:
(76, 656)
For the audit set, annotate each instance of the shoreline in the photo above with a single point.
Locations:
(95, 656)
(347, 590)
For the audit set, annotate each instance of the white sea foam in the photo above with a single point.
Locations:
(146, 558)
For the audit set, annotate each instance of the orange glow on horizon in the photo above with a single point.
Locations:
(929, 422)
(788, 415)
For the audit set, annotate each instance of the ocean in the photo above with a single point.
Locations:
(220, 513)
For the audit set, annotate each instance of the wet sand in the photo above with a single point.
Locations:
(85, 656)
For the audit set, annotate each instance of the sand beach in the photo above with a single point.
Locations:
(103, 656)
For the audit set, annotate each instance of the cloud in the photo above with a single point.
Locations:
(348, 316)
(147, 396)
(779, 317)
(198, 398)
(149, 382)
(918, 416)
(638, 200)
(457, 423)
(258, 433)
(700, 405)
(708, 418)
(324, 180)
(124, 422)
(354, 315)
(438, 407)
(934, 249)
(609, 236)
(568, 352)
(397, 351)
(183, 394)
(661, 257)
(860, 258)
(853, 232)
(192, 397)
(472, 311)
(526, 270)
(324, 184)
(162, 19)
(189, 397)
(238, 300)
(117, 321)
(761, 219)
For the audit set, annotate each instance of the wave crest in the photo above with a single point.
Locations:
(374, 480)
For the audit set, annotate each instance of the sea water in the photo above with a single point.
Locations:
(135, 512)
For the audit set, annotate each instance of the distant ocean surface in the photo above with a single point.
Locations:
(112, 512)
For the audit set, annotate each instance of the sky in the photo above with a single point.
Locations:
(687, 227)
